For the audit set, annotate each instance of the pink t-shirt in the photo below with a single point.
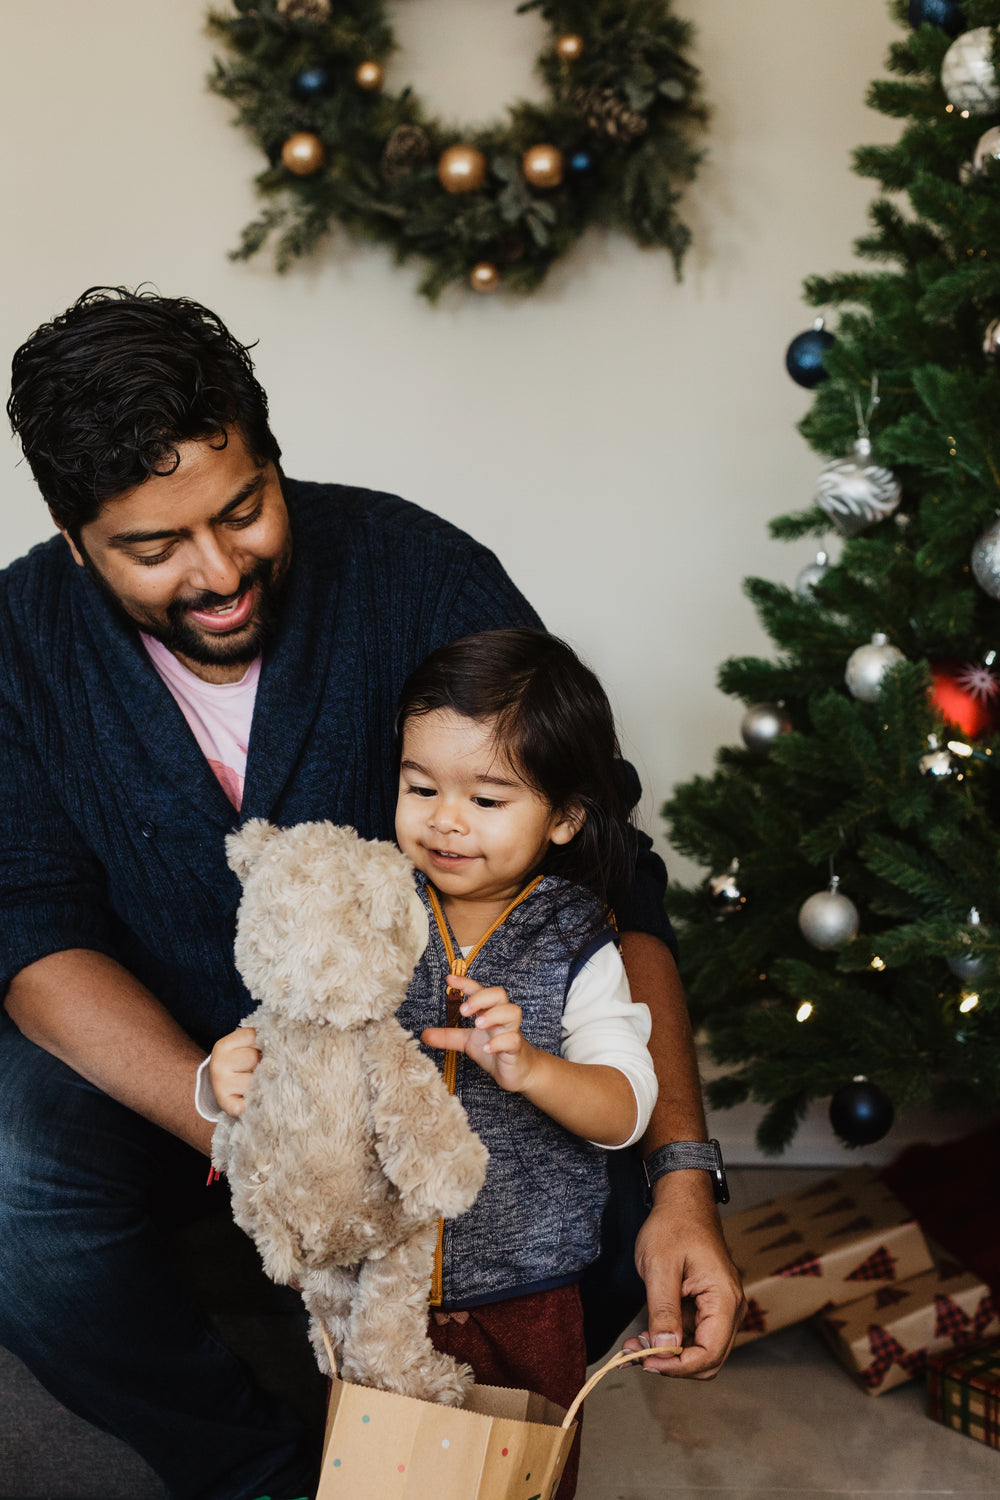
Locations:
(219, 714)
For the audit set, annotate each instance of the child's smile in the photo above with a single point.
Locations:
(464, 815)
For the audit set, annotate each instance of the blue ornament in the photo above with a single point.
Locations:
(944, 13)
(804, 356)
(861, 1113)
(312, 81)
(581, 162)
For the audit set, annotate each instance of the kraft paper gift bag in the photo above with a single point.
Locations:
(501, 1445)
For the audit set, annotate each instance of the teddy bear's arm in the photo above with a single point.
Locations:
(422, 1136)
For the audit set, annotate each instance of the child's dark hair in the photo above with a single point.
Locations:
(554, 724)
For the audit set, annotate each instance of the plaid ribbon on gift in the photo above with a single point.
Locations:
(963, 1391)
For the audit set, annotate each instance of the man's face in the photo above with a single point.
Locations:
(197, 558)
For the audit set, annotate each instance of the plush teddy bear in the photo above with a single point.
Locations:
(350, 1148)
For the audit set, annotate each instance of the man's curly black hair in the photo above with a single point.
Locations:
(102, 396)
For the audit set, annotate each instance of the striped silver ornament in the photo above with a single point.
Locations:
(985, 560)
(855, 493)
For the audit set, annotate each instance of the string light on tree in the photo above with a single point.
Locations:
(861, 1113)
(369, 75)
(569, 46)
(804, 1011)
(484, 277)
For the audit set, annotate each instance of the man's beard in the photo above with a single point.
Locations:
(184, 639)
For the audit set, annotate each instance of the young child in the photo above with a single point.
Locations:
(512, 809)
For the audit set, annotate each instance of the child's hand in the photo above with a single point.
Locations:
(495, 1042)
(231, 1068)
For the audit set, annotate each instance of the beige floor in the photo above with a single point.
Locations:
(782, 1419)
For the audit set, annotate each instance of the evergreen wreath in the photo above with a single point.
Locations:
(489, 206)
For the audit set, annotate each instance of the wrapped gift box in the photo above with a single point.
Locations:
(820, 1247)
(963, 1391)
(886, 1337)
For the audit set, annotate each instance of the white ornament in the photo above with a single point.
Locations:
(985, 560)
(987, 148)
(810, 575)
(828, 919)
(968, 966)
(762, 724)
(856, 493)
(967, 73)
(868, 665)
(991, 339)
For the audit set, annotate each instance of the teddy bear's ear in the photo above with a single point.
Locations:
(247, 844)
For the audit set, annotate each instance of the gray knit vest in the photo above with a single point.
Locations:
(536, 1223)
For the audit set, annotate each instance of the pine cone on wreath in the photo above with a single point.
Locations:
(406, 149)
(304, 10)
(606, 113)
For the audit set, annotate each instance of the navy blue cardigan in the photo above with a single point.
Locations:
(112, 824)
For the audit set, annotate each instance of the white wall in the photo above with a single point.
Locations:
(619, 439)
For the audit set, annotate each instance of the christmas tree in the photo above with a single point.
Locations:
(846, 944)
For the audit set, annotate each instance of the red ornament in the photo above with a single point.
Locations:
(966, 694)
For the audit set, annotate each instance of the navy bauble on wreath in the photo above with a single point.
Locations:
(804, 355)
(943, 13)
(861, 1113)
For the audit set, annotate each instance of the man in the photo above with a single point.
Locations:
(204, 643)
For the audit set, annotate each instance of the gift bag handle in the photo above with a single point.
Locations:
(614, 1363)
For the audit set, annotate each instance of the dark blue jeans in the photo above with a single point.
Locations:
(92, 1302)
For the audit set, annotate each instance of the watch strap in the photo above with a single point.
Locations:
(680, 1156)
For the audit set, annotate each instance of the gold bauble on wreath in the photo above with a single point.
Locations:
(543, 166)
(303, 153)
(569, 47)
(461, 169)
(369, 75)
(484, 277)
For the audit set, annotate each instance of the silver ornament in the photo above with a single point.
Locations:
(810, 575)
(985, 560)
(868, 665)
(856, 493)
(762, 724)
(724, 893)
(828, 919)
(968, 966)
(937, 764)
(967, 73)
(991, 339)
(987, 148)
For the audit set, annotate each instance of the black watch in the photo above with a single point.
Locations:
(679, 1155)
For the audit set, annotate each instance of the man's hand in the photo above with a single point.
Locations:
(231, 1067)
(693, 1289)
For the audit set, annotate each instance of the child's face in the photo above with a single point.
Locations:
(464, 816)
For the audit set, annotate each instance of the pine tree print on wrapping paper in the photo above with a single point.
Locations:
(755, 1319)
(791, 1238)
(842, 1206)
(952, 1323)
(888, 1296)
(886, 1352)
(774, 1222)
(808, 1264)
(880, 1266)
(820, 1189)
(856, 1226)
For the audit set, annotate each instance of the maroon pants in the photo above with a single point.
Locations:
(532, 1343)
